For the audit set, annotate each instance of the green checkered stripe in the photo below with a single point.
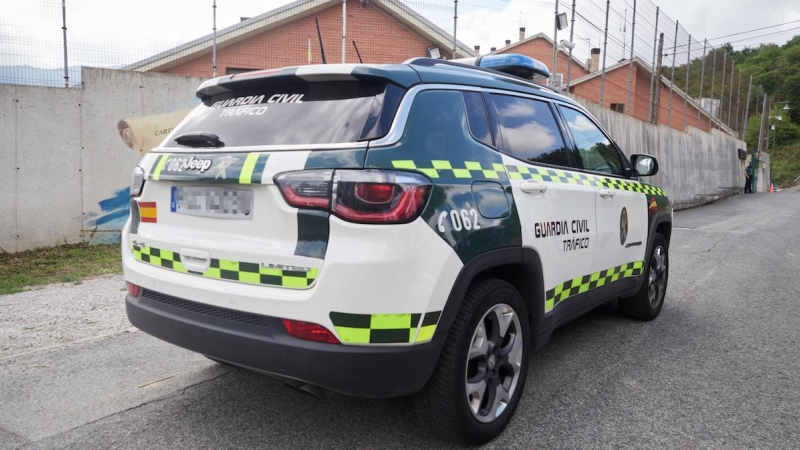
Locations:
(571, 288)
(579, 178)
(462, 169)
(384, 328)
(495, 171)
(221, 269)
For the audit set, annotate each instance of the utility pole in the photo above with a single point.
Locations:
(555, 42)
(657, 89)
(754, 158)
(64, 29)
(571, 37)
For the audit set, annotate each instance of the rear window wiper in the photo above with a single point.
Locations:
(199, 139)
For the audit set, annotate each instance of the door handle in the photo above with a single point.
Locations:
(533, 188)
(607, 193)
(195, 260)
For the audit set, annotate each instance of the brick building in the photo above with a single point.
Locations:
(615, 96)
(385, 31)
(540, 46)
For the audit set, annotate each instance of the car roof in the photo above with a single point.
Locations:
(407, 74)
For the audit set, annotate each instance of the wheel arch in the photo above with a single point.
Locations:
(521, 267)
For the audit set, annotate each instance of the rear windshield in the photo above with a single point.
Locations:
(297, 113)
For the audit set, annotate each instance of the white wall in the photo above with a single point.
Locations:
(64, 170)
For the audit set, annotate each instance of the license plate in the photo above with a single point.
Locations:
(217, 202)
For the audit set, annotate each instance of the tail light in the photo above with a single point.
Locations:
(307, 188)
(363, 196)
(309, 331)
(133, 289)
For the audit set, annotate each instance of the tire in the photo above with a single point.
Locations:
(498, 359)
(647, 303)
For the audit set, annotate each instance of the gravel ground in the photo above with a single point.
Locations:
(59, 314)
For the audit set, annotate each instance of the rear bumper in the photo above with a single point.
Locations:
(262, 343)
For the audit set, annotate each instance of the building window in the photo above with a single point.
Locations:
(618, 107)
(235, 70)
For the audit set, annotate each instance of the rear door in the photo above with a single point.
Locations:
(211, 208)
(621, 208)
(555, 205)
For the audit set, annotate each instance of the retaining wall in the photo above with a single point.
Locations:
(64, 169)
(696, 167)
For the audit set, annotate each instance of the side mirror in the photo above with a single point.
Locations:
(644, 165)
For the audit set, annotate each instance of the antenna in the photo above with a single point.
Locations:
(319, 34)
(357, 54)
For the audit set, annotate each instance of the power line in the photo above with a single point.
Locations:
(750, 31)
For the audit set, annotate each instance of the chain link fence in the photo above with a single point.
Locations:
(45, 42)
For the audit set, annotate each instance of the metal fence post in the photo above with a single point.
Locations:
(64, 29)
(455, 27)
(672, 75)
(214, 43)
(605, 51)
(555, 43)
(702, 79)
(630, 69)
(738, 102)
(711, 113)
(571, 36)
(730, 94)
(722, 87)
(653, 75)
(747, 108)
(686, 88)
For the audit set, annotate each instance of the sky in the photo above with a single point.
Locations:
(113, 33)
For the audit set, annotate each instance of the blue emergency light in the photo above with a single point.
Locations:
(515, 64)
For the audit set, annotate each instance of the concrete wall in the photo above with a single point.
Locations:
(64, 170)
(695, 166)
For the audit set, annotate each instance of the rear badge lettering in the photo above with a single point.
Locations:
(244, 111)
(286, 267)
(239, 101)
(286, 98)
(178, 164)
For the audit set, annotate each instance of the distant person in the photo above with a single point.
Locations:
(748, 179)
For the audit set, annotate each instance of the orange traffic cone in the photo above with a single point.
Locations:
(771, 188)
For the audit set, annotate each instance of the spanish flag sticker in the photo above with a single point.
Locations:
(653, 207)
(148, 212)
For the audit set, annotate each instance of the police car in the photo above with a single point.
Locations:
(386, 230)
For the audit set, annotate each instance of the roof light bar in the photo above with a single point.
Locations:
(515, 64)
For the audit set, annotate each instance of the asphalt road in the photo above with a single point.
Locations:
(720, 368)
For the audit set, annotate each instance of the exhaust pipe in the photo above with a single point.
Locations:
(317, 392)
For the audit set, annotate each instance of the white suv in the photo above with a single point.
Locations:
(385, 230)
